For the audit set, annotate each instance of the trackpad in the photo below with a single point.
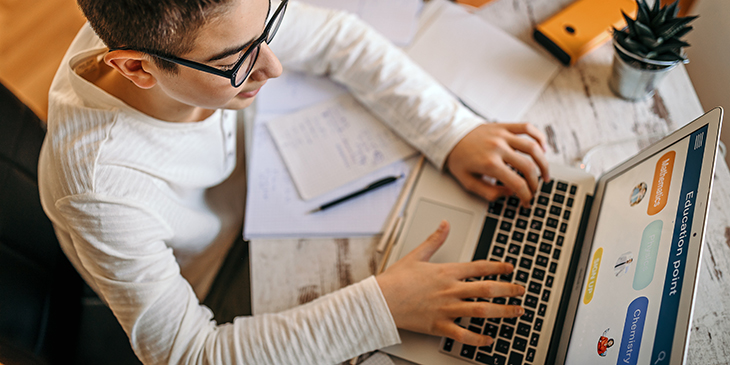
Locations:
(426, 219)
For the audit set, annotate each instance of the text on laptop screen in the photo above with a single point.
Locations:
(636, 275)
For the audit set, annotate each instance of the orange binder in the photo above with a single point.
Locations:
(582, 27)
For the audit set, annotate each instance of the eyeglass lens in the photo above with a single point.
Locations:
(248, 64)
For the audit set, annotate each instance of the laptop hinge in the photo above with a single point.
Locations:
(569, 281)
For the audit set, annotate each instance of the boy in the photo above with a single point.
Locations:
(142, 175)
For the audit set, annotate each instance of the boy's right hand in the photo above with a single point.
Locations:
(426, 297)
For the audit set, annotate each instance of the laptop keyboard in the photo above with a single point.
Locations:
(531, 240)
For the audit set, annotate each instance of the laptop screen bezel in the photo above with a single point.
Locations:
(713, 120)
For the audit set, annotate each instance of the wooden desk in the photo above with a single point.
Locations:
(577, 111)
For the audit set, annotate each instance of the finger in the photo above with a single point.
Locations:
(480, 268)
(526, 167)
(511, 181)
(531, 148)
(489, 289)
(530, 130)
(463, 335)
(484, 310)
(425, 250)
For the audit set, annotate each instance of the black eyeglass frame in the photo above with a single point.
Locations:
(232, 73)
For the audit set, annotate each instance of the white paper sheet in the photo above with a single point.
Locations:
(493, 73)
(273, 207)
(334, 143)
(395, 19)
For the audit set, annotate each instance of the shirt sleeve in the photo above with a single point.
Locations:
(377, 73)
(120, 245)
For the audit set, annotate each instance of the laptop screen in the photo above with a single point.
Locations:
(635, 280)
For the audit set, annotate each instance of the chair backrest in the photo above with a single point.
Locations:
(39, 289)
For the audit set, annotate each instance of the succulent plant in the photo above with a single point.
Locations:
(655, 33)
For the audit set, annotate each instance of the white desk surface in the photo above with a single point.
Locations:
(577, 111)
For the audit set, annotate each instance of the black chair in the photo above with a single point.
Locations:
(47, 313)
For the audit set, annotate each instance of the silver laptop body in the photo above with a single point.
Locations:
(565, 335)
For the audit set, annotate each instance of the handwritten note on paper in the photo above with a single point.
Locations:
(274, 208)
(333, 143)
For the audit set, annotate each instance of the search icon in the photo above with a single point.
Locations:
(660, 358)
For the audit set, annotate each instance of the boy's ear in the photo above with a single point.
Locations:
(133, 65)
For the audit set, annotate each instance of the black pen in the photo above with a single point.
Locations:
(371, 187)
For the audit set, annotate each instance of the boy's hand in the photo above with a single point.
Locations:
(426, 297)
(492, 150)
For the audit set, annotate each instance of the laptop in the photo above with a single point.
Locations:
(609, 266)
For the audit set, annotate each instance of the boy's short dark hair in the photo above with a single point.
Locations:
(166, 26)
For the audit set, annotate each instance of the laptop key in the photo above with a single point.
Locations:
(541, 310)
(505, 226)
(519, 343)
(538, 324)
(499, 359)
(534, 339)
(545, 248)
(547, 187)
(566, 214)
(556, 254)
(513, 201)
(514, 249)
(448, 344)
(490, 330)
(522, 276)
(518, 236)
(538, 274)
(573, 189)
(545, 295)
(522, 224)
(530, 356)
(468, 351)
(525, 212)
(511, 260)
(559, 241)
(495, 208)
(562, 186)
(549, 281)
(498, 251)
(536, 225)
(533, 237)
(523, 329)
(506, 331)
(541, 260)
(543, 200)
(500, 300)
(510, 213)
(551, 222)
(553, 267)
(569, 203)
(531, 301)
(525, 263)
(502, 238)
(529, 250)
(529, 315)
(563, 227)
(539, 212)
(515, 358)
(554, 210)
(502, 346)
(514, 301)
(484, 358)
(558, 198)
(512, 321)
(534, 287)
(548, 235)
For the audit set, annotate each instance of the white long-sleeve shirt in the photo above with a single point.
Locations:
(146, 210)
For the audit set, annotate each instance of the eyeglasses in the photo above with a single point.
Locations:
(245, 63)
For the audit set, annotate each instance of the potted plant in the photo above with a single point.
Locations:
(647, 49)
